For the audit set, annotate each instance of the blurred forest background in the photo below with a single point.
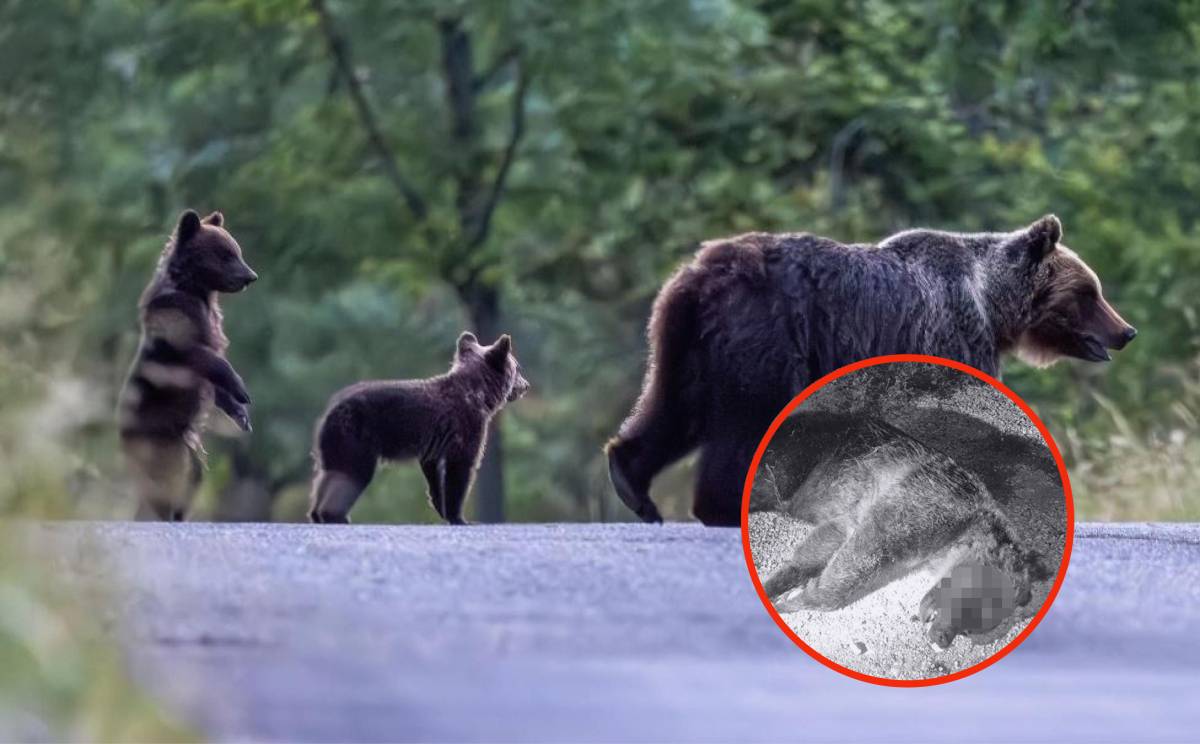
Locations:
(400, 171)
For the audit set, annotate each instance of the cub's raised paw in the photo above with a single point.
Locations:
(239, 392)
(240, 415)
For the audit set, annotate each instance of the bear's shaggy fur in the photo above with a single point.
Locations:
(884, 504)
(441, 422)
(180, 369)
(752, 320)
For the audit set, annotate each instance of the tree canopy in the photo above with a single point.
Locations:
(398, 172)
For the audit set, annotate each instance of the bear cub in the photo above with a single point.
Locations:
(180, 370)
(441, 422)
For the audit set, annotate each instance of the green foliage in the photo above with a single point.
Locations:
(61, 675)
(648, 126)
(59, 679)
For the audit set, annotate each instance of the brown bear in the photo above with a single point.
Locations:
(752, 320)
(883, 505)
(180, 369)
(972, 600)
(441, 422)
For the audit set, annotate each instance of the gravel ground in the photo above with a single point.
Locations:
(880, 634)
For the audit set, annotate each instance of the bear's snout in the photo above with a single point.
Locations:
(1114, 332)
(1123, 339)
(519, 388)
(245, 278)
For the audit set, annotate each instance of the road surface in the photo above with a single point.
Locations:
(601, 633)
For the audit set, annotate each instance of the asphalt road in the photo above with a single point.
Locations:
(601, 633)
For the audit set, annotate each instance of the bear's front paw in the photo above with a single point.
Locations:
(649, 513)
(240, 415)
(239, 391)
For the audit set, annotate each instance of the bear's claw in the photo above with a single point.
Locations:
(648, 512)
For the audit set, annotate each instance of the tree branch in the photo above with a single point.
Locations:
(837, 161)
(340, 51)
(485, 78)
(516, 132)
(458, 74)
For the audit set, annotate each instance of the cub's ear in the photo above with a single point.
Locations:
(497, 353)
(467, 342)
(189, 225)
(1043, 236)
(216, 219)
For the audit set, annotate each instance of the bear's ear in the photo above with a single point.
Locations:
(466, 342)
(189, 225)
(216, 219)
(497, 353)
(1043, 236)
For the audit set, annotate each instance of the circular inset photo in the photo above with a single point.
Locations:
(907, 520)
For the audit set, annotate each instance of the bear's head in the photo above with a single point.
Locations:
(977, 595)
(203, 256)
(1068, 315)
(972, 600)
(496, 363)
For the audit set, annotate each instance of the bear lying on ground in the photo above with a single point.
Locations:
(971, 600)
(442, 422)
(883, 505)
(752, 320)
(180, 369)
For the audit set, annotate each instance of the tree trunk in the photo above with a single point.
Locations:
(489, 499)
(474, 201)
(482, 300)
(483, 304)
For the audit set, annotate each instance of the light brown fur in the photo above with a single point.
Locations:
(1070, 316)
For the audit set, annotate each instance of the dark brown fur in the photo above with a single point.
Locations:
(180, 369)
(749, 323)
(441, 422)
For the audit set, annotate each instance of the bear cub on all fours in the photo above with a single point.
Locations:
(441, 422)
(180, 370)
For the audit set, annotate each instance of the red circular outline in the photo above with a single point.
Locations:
(1062, 473)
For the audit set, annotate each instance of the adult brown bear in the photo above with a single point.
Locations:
(754, 319)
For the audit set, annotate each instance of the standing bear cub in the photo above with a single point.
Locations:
(441, 422)
(180, 370)
(753, 320)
